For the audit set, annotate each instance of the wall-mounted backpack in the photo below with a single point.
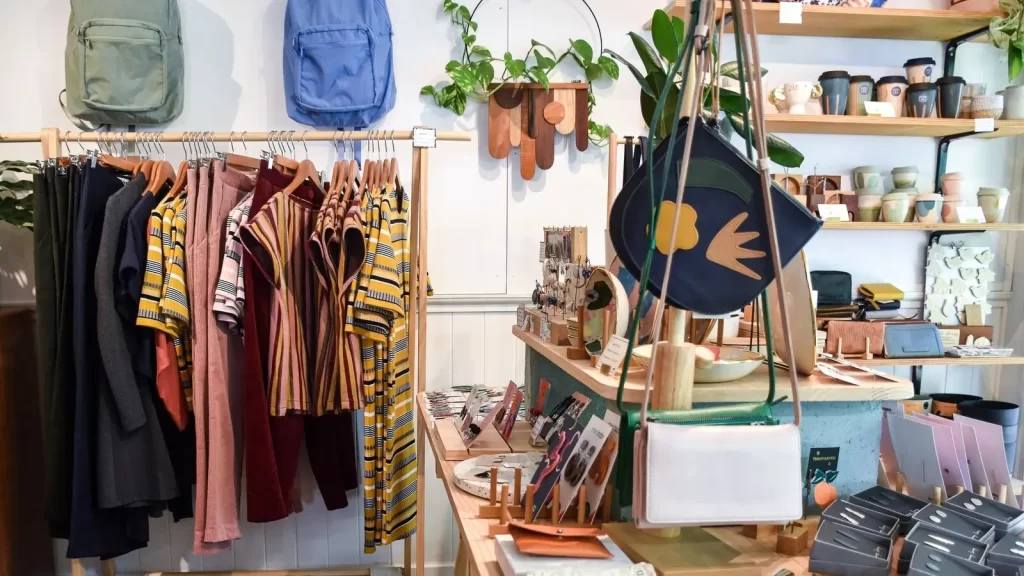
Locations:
(124, 62)
(338, 69)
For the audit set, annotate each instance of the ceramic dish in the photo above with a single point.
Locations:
(468, 472)
(730, 363)
(603, 293)
(800, 305)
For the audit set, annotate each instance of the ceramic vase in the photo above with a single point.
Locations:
(892, 89)
(928, 208)
(912, 200)
(951, 183)
(951, 93)
(796, 96)
(1013, 103)
(987, 106)
(895, 207)
(860, 91)
(993, 203)
(869, 208)
(921, 99)
(904, 177)
(777, 98)
(919, 69)
(949, 210)
(867, 180)
(835, 88)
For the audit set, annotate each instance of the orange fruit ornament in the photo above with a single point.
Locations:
(825, 494)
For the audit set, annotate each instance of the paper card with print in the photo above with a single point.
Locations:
(580, 460)
(601, 469)
(550, 470)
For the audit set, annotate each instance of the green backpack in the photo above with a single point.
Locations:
(124, 62)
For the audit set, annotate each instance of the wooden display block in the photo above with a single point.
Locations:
(559, 327)
(519, 441)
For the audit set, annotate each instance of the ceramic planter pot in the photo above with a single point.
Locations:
(919, 69)
(860, 91)
(921, 99)
(869, 208)
(835, 88)
(951, 183)
(951, 93)
(987, 106)
(777, 98)
(895, 207)
(928, 208)
(1013, 103)
(993, 203)
(892, 89)
(912, 199)
(904, 177)
(867, 180)
(796, 95)
(949, 211)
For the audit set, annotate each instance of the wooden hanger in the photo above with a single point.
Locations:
(351, 187)
(161, 173)
(179, 182)
(306, 171)
(284, 163)
(125, 164)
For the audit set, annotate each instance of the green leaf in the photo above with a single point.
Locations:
(584, 51)
(779, 151)
(480, 51)
(650, 58)
(464, 13)
(469, 39)
(731, 102)
(450, 6)
(680, 27)
(664, 35)
(594, 72)
(427, 91)
(536, 44)
(641, 78)
(539, 75)
(543, 62)
(452, 98)
(1015, 61)
(515, 67)
(452, 65)
(599, 133)
(484, 73)
(464, 77)
(648, 103)
(609, 66)
(473, 25)
(732, 70)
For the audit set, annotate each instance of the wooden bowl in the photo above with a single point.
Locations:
(730, 363)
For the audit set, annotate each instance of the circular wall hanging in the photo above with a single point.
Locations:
(604, 293)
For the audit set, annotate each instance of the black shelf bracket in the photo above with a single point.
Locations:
(940, 162)
(949, 63)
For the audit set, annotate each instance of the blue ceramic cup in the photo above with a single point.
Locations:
(835, 87)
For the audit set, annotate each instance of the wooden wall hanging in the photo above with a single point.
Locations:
(526, 116)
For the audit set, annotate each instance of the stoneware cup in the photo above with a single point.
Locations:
(904, 177)
(919, 69)
(835, 88)
(921, 99)
(987, 106)
(951, 94)
(867, 180)
(993, 203)
(912, 200)
(928, 208)
(797, 94)
(895, 207)
(1013, 103)
(777, 97)
(949, 211)
(869, 207)
(951, 183)
(892, 89)
(861, 90)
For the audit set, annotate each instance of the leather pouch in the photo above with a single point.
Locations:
(855, 334)
(912, 340)
(558, 541)
(881, 292)
(834, 288)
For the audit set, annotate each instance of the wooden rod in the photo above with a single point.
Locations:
(581, 505)
(494, 485)
(290, 136)
(528, 505)
(556, 504)
(613, 187)
(326, 572)
(516, 494)
(14, 137)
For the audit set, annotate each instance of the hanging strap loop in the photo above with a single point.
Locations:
(600, 35)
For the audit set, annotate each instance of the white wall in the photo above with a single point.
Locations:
(485, 221)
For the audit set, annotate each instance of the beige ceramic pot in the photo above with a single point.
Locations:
(869, 207)
(949, 211)
(951, 183)
(892, 89)
(993, 203)
(895, 207)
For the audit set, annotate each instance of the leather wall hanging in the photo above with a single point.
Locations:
(723, 236)
(526, 116)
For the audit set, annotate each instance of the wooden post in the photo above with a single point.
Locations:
(613, 186)
(50, 139)
(556, 505)
(516, 494)
(503, 519)
(528, 506)
(576, 350)
(417, 326)
(494, 485)
(982, 491)
(581, 505)
(937, 495)
(1002, 493)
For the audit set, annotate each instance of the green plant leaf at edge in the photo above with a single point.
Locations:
(779, 151)
(680, 28)
(481, 51)
(731, 70)
(650, 58)
(464, 77)
(641, 78)
(539, 75)
(731, 102)
(1014, 62)
(664, 35)
(609, 66)
(484, 73)
(583, 50)
(427, 91)
(649, 102)
(594, 72)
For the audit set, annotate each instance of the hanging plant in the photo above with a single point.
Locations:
(1008, 33)
(668, 34)
(472, 75)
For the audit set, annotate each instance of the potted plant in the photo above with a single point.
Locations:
(1006, 33)
(668, 34)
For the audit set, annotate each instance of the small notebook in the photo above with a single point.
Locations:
(515, 563)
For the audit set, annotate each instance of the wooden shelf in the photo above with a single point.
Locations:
(847, 22)
(912, 226)
(877, 126)
(749, 389)
(990, 361)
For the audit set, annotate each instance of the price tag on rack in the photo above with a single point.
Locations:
(424, 138)
(984, 124)
(834, 212)
(791, 13)
(970, 215)
(545, 327)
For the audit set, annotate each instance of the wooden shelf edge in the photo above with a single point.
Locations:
(947, 361)
(919, 227)
(878, 126)
(749, 389)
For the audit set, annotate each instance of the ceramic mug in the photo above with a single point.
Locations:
(892, 89)
(919, 69)
(912, 201)
(949, 211)
(867, 180)
(951, 183)
(951, 93)
(796, 95)
(1013, 103)
(987, 106)
(904, 177)
(835, 88)
(895, 207)
(869, 208)
(921, 98)
(993, 203)
(928, 208)
(777, 97)
(861, 91)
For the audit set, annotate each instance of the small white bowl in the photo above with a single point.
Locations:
(730, 363)
(987, 106)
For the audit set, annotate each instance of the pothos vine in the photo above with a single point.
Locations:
(472, 75)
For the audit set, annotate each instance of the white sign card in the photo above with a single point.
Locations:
(984, 124)
(424, 138)
(543, 250)
(545, 327)
(614, 353)
(883, 109)
(521, 317)
(791, 13)
(834, 212)
(970, 215)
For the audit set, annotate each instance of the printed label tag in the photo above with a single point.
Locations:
(614, 353)
(521, 317)
(424, 138)
(545, 327)
(791, 13)
(833, 212)
(543, 250)
(970, 215)
(984, 124)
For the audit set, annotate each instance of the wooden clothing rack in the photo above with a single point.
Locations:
(423, 140)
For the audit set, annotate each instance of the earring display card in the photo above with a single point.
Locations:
(935, 563)
(926, 537)
(918, 458)
(845, 550)
(1006, 519)
(550, 471)
(890, 502)
(600, 470)
(580, 460)
(950, 520)
(946, 450)
(1007, 557)
(820, 480)
(844, 512)
(959, 446)
(990, 442)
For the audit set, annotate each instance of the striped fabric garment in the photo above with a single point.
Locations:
(276, 238)
(229, 297)
(377, 313)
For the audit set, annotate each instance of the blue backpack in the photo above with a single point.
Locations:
(338, 69)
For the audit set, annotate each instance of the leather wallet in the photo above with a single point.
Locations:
(854, 334)
(558, 541)
(881, 292)
(834, 288)
(913, 340)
